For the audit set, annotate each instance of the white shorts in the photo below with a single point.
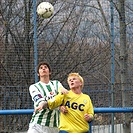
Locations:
(36, 128)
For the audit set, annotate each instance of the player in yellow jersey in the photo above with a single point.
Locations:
(79, 107)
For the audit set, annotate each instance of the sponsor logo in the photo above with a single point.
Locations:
(85, 101)
(51, 93)
(49, 97)
(37, 97)
(75, 106)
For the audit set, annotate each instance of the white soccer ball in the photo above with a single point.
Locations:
(45, 9)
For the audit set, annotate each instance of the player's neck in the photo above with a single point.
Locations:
(76, 90)
(45, 79)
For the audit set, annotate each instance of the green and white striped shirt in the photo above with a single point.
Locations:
(42, 92)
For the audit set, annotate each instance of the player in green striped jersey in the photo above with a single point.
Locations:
(46, 120)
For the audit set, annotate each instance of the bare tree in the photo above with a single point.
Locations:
(124, 66)
(75, 39)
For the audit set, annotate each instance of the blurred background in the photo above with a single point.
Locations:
(91, 37)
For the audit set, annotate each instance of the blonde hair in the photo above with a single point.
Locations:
(77, 75)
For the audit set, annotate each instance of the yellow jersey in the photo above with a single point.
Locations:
(77, 105)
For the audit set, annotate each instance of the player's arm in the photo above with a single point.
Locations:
(56, 101)
(42, 105)
(51, 104)
(63, 109)
(89, 116)
(36, 95)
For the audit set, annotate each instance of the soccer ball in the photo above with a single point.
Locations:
(45, 9)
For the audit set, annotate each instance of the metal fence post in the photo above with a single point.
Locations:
(112, 61)
(35, 40)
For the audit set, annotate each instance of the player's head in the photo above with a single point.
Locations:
(75, 76)
(40, 65)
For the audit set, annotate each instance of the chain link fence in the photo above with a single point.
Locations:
(75, 39)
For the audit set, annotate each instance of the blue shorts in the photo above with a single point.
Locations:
(62, 131)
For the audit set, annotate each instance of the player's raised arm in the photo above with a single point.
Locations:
(56, 101)
(51, 104)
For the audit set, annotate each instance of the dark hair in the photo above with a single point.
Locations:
(43, 63)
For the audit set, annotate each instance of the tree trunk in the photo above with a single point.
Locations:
(124, 67)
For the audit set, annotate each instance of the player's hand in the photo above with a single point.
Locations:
(41, 106)
(63, 109)
(64, 91)
(88, 117)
